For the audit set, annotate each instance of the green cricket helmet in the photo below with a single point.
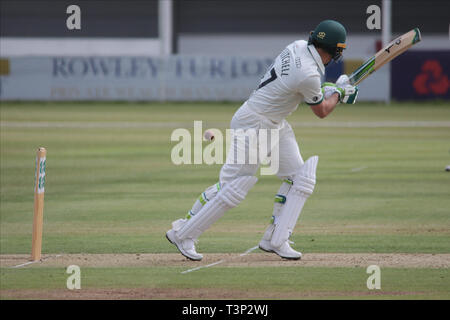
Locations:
(329, 35)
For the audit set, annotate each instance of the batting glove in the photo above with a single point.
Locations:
(342, 81)
(328, 89)
(347, 94)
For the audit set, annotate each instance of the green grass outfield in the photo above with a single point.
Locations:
(111, 188)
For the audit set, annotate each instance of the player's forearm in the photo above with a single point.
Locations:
(326, 107)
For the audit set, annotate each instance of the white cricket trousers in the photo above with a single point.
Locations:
(290, 159)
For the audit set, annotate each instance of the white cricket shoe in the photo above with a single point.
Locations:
(285, 251)
(185, 246)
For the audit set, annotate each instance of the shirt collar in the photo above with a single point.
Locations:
(316, 58)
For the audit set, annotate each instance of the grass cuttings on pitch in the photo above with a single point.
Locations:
(111, 188)
(226, 283)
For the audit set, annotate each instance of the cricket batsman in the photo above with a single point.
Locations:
(294, 76)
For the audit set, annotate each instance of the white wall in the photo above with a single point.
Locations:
(359, 46)
(374, 88)
(15, 47)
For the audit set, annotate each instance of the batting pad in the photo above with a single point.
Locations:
(280, 200)
(204, 197)
(303, 187)
(229, 197)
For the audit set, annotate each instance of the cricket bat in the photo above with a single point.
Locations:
(388, 53)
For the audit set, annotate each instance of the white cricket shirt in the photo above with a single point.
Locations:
(293, 77)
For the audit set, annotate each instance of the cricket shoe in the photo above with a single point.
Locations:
(185, 246)
(285, 251)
